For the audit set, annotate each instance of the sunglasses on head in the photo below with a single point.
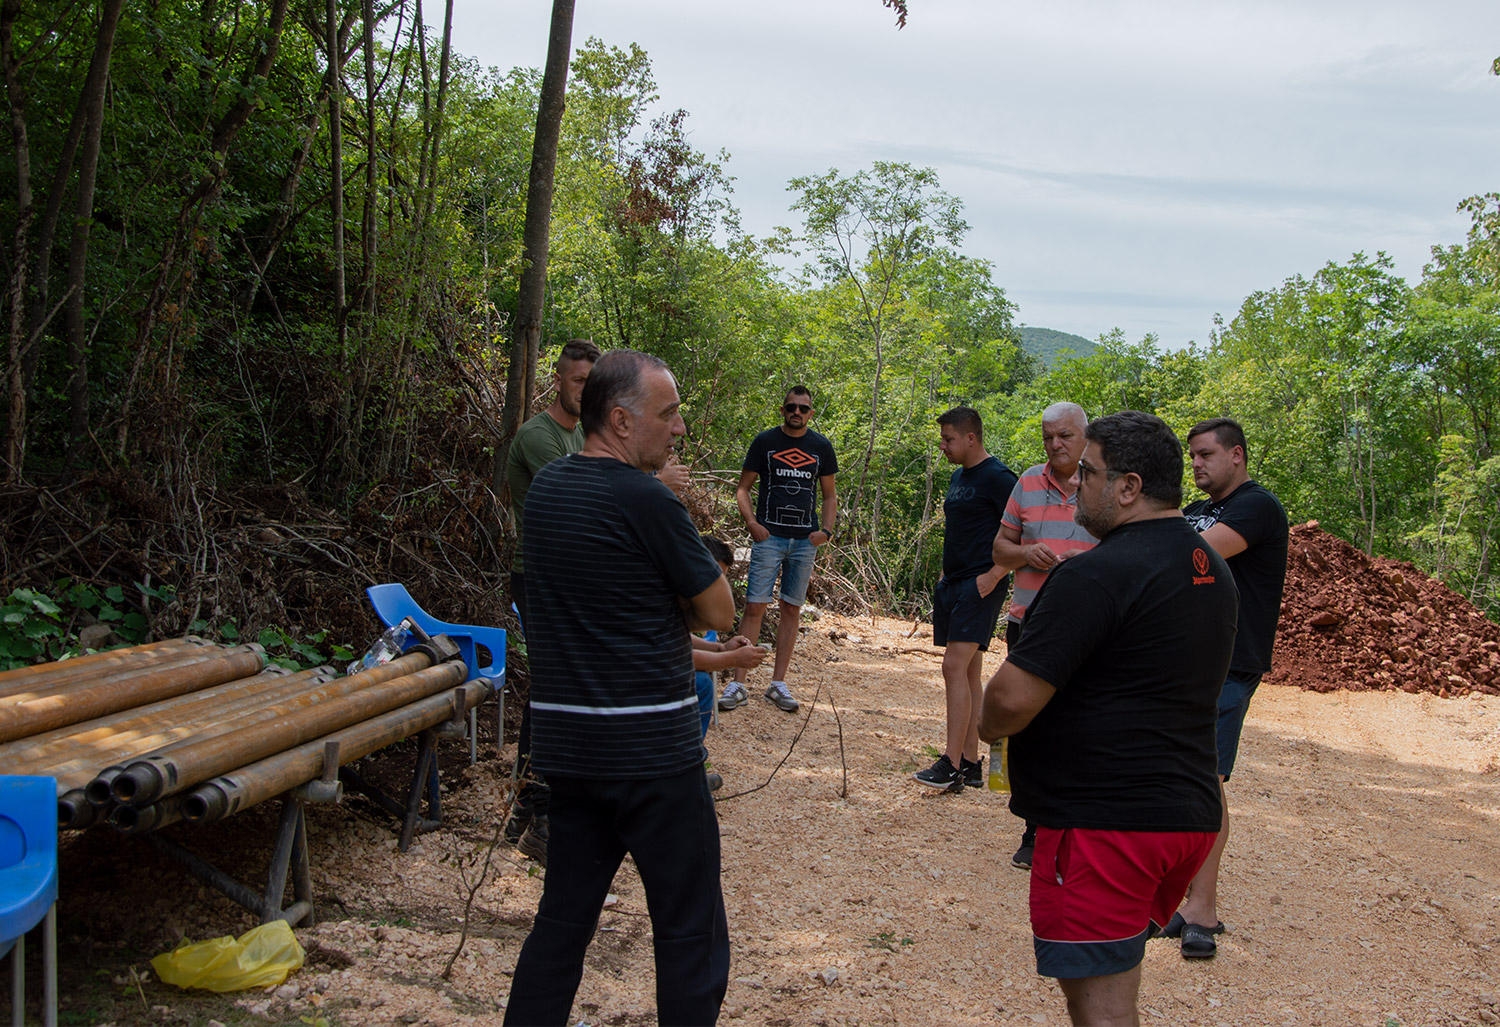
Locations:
(797, 408)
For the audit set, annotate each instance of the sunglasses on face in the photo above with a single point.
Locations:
(797, 408)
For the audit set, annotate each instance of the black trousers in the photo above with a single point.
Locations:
(669, 827)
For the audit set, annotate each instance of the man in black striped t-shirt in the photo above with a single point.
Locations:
(617, 577)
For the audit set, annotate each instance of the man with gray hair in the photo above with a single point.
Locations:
(618, 578)
(1037, 532)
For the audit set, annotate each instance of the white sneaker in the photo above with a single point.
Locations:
(781, 696)
(734, 695)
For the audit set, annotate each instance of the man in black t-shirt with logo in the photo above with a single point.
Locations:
(967, 599)
(1108, 698)
(1246, 524)
(617, 577)
(795, 465)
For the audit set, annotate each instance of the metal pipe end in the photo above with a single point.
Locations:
(99, 790)
(138, 784)
(75, 811)
(205, 804)
(126, 819)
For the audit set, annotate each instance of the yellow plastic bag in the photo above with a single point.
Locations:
(259, 958)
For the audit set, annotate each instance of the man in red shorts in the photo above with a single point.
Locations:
(1110, 700)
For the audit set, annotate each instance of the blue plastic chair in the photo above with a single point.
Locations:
(393, 604)
(28, 884)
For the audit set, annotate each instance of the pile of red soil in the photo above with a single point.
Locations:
(1368, 623)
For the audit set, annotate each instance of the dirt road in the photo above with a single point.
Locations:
(1361, 886)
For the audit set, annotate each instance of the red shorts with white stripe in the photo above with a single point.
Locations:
(1095, 895)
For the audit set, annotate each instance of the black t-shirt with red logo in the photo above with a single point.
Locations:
(1135, 635)
(789, 470)
(1259, 569)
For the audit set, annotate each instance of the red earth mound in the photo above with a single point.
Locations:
(1368, 623)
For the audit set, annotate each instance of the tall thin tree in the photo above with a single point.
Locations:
(527, 331)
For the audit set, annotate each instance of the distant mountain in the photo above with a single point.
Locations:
(1047, 344)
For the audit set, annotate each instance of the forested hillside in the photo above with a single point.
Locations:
(262, 264)
(1049, 345)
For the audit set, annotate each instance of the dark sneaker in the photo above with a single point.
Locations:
(973, 772)
(734, 696)
(781, 696)
(941, 774)
(1022, 859)
(520, 820)
(533, 841)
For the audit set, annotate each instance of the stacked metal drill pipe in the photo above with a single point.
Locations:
(127, 733)
(42, 702)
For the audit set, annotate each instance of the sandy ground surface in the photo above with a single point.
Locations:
(1361, 885)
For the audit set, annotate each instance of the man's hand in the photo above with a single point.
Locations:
(674, 475)
(1041, 556)
(813, 538)
(989, 581)
(758, 531)
(746, 656)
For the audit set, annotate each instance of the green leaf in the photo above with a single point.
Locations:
(135, 621)
(40, 629)
(228, 631)
(115, 594)
(43, 604)
(110, 613)
(272, 638)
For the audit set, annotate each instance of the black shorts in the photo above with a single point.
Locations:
(961, 614)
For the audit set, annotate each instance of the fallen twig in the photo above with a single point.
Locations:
(843, 761)
(795, 738)
(489, 854)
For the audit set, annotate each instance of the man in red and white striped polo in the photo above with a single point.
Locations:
(1037, 532)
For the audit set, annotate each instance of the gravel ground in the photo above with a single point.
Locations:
(1361, 886)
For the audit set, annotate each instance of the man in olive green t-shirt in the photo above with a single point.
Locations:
(550, 434)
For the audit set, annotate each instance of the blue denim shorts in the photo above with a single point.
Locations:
(1234, 701)
(790, 559)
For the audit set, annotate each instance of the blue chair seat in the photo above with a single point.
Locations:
(28, 878)
(393, 603)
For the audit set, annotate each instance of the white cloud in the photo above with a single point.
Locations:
(1142, 164)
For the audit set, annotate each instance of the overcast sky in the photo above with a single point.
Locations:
(1141, 165)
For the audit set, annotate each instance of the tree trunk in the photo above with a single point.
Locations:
(78, 249)
(344, 431)
(15, 436)
(527, 332)
(190, 212)
(864, 464)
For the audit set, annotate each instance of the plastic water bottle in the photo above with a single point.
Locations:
(385, 649)
(999, 779)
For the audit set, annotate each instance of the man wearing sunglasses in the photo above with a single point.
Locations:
(794, 465)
